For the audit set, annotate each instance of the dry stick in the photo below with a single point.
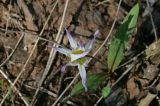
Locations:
(92, 55)
(10, 55)
(42, 89)
(7, 61)
(48, 18)
(52, 54)
(154, 29)
(110, 32)
(23, 69)
(36, 35)
(60, 84)
(102, 2)
(128, 70)
(28, 15)
(19, 93)
(77, 75)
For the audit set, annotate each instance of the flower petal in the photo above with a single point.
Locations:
(64, 51)
(72, 42)
(80, 46)
(77, 56)
(90, 43)
(82, 72)
(63, 69)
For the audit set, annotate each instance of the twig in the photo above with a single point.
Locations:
(42, 89)
(132, 59)
(154, 28)
(19, 93)
(23, 69)
(54, 104)
(28, 15)
(48, 18)
(128, 70)
(10, 55)
(60, 84)
(26, 32)
(9, 58)
(110, 32)
(96, 60)
(98, 101)
(52, 54)
(102, 2)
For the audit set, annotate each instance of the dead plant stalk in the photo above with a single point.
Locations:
(32, 51)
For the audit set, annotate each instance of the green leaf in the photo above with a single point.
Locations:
(10, 95)
(93, 82)
(106, 91)
(120, 41)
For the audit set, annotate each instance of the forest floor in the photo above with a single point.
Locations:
(30, 69)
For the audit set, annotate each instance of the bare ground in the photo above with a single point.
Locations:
(32, 68)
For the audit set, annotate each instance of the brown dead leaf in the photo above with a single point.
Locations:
(112, 12)
(132, 88)
(29, 41)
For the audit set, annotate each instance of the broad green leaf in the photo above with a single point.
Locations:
(93, 82)
(120, 41)
(106, 91)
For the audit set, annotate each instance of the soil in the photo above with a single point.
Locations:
(21, 27)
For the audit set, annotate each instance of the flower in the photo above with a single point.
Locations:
(77, 55)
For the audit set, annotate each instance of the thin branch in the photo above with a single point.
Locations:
(154, 28)
(117, 81)
(26, 32)
(10, 55)
(45, 24)
(19, 93)
(23, 69)
(52, 54)
(75, 78)
(42, 89)
(102, 2)
(110, 32)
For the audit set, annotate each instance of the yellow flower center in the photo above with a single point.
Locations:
(80, 60)
(77, 51)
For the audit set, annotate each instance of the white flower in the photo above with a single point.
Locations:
(77, 55)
